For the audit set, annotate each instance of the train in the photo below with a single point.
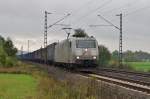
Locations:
(71, 52)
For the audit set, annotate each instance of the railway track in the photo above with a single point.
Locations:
(126, 71)
(135, 77)
(122, 78)
(133, 80)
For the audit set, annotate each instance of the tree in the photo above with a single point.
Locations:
(3, 55)
(104, 55)
(80, 33)
(129, 56)
(9, 47)
(115, 55)
(7, 52)
(1, 40)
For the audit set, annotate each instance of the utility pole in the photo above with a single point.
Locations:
(45, 34)
(120, 35)
(21, 52)
(45, 37)
(28, 46)
(45, 30)
(120, 41)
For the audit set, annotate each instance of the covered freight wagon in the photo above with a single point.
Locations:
(51, 53)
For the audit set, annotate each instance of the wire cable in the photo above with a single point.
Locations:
(123, 6)
(93, 11)
(137, 10)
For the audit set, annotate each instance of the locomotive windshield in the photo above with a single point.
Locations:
(85, 44)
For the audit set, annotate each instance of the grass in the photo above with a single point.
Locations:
(140, 66)
(37, 83)
(17, 86)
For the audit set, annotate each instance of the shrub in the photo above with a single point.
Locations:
(114, 63)
(3, 56)
(104, 55)
(10, 61)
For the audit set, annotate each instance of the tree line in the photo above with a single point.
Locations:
(134, 56)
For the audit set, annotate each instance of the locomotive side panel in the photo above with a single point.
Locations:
(63, 52)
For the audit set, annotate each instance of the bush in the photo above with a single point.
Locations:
(127, 67)
(114, 63)
(3, 56)
(10, 61)
(104, 55)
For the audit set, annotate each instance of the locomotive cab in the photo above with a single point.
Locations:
(86, 51)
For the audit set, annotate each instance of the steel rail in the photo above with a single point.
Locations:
(121, 82)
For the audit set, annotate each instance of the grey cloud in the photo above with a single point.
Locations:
(24, 19)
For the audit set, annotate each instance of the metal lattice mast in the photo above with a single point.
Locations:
(28, 47)
(45, 34)
(45, 30)
(120, 41)
(45, 37)
(22, 52)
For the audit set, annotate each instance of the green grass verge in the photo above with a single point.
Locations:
(17, 86)
(140, 66)
(37, 83)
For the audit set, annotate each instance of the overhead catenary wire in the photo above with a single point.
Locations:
(120, 7)
(134, 11)
(93, 11)
(81, 7)
(133, 2)
(108, 21)
(89, 2)
(58, 21)
(117, 8)
(73, 13)
(137, 10)
(98, 25)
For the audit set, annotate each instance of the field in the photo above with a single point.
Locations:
(140, 66)
(16, 86)
(33, 81)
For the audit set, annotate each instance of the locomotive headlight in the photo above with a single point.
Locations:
(94, 57)
(78, 57)
(86, 49)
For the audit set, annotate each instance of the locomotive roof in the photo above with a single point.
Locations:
(82, 38)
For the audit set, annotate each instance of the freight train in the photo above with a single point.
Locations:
(71, 52)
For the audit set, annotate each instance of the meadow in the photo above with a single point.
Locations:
(140, 66)
(33, 81)
(17, 86)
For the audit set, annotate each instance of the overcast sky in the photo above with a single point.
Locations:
(23, 20)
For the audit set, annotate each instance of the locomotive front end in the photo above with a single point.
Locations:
(86, 52)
